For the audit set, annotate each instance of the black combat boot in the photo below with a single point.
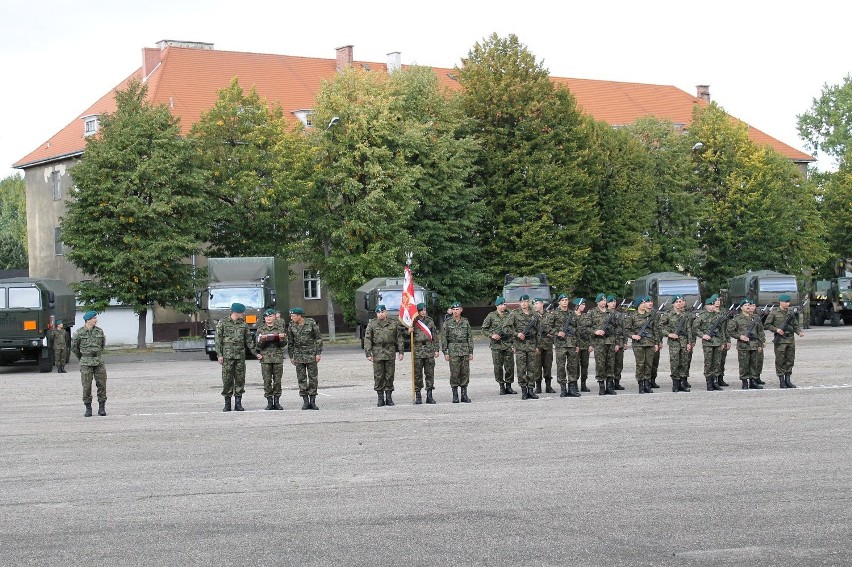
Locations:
(509, 389)
(269, 403)
(710, 384)
(573, 391)
(389, 398)
(464, 397)
(381, 399)
(524, 394)
(720, 380)
(429, 398)
(503, 389)
(601, 388)
(654, 383)
(102, 408)
(455, 394)
(684, 385)
(610, 386)
(787, 380)
(617, 384)
(538, 386)
(715, 385)
(754, 384)
(563, 390)
(418, 400)
(238, 403)
(745, 383)
(276, 403)
(782, 382)
(88, 410)
(759, 381)
(549, 389)
(675, 385)
(227, 404)
(313, 400)
(531, 395)
(641, 386)
(306, 403)
(62, 370)
(583, 387)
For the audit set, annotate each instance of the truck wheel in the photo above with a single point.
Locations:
(835, 319)
(212, 356)
(45, 363)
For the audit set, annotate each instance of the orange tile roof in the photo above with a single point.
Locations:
(188, 79)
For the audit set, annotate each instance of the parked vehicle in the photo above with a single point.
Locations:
(388, 292)
(832, 299)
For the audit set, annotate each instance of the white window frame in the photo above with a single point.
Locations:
(56, 178)
(311, 285)
(90, 125)
(58, 245)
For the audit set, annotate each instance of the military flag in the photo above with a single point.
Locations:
(408, 305)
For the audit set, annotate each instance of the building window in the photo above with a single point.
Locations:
(90, 125)
(57, 241)
(312, 284)
(57, 185)
(305, 116)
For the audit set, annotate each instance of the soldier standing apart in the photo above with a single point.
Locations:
(233, 338)
(88, 346)
(501, 347)
(784, 324)
(603, 330)
(59, 336)
(304, 343)
(271, 341)
(544, 358)
(641, 327)
(676, 325)
(426, 350)
(457, 346)
(383, 340)
(709, 325)
(564, 329)
(748, 330)
(522, 324)
(582, 342)
(620, 342)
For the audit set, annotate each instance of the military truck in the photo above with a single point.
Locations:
(256, 282)
(662, 286)
(388, 292)
(534, 286)
(764, 287)
(832, 299)
(29, 309)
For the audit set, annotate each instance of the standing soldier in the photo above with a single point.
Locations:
(676, 325)
(641, 327)
(710, 326)
(501, 347)
(88, 346)
(544, 358)
(233, 338)
(748, 330)
(304, 342)
(425, 352)
(603, 330)
(271, 341)
(59, 337)
(784, 324)
(522, 325)
(457, 346)
(582, 342)
(621, 341)
(383, 340)
(564, 324)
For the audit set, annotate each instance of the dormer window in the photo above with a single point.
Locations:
(90, 124)
(305, 116)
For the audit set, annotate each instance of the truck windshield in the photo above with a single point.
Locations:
(513, 294)
(392, 298)
(678, 287)
(224, 297)
(778, 284)
(24, 297)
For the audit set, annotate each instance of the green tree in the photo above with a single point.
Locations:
(835, 197)
(827, 126)
(541, 215)
(138, 211)
(13, 223)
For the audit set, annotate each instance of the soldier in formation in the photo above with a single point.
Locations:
(271, 342)
(523, 325)
(233, 339)
(564, 325)
(784, 325)
(501, 346)
(641, 327)
(711, 326)
(426, 343)
(621, 341)
(59, 337)
(88, 346)
(583, 343)
(676, 325)
(602, 328)
(544, 358)
(383, 341)
(457, 346)
(304, 343)
(747, 329)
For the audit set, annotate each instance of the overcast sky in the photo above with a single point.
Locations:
(764, 62)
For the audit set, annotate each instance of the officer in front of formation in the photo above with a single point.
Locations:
(523, 325)
(271, 342)
(747, 329)
(233, 339)
(426, 349)
(783, 323)
(502, 357)
(88, 346)
(304, 343)
(457, 346)
(383, 340)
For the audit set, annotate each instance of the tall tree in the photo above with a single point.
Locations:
(13, 223)
(827, 126)
(138, 210)
(835, 196)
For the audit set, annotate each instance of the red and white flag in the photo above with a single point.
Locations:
(408, 305)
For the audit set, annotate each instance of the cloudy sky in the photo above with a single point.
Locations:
(764, 61)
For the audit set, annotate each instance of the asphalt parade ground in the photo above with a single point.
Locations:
(700, 478)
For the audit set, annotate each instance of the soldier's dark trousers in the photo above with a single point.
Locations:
(525, 363)
(271, 373)
(545, 365)
(383, 373)
(424, 367)
(233, 377)
(644, 356)
(459, 370)
(97, 374)
(750, 363)
(583, 364)
(604, 362)
(785, 356)
(504, 365)
(679, 359)
(566, 365)
(712, 361)
(618, 364)
(307, 374)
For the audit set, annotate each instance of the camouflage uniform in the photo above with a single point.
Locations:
(425, 349)
(566, 348)
(621, 342)
(713, 349)
(680, 324)
(272, 364)
(544, 358)
(785, 346)
(583, 343)
(603, 346)
(88, 346)
(233, 338)
(457, 343)
(59, 338)
(748, 352)
(501, 350)
(304, 343)
(517, 322)
(646, 326)
(383, 340)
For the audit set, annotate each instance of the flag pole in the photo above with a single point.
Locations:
(413, 382)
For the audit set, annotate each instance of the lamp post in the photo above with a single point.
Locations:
(326, 250)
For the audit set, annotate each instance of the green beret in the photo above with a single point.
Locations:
(500, 300)
(238, 308)
(578, 301)
(524, 297)
(297, 311)
(381, 307)
(90, 315)
(58, 322)
(610, 297)
(747, 300)
(269, 313)
(562, 296)
(676, 297)
(710, 300)
(538, 300)
(600, 297)
(643, 299)
(455, 304)
(785, 297)
(421, 306)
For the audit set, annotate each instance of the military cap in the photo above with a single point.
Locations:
(785, 297)
(610, 297)
(59, 321)
(238, 308)
(643, 299)
(747, 300)
(600, 297)
(269, 313)
(90, 315)
(421, 306)
(297, 311)
(711, 300)
(562, 296)
(381, 307)
(578, 301)
(538, 300)
(524, 297)
(676, 298)
(455, 304)
(500, 300)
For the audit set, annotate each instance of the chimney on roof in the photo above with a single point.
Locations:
(344, 57)
(394, 61)
(703, 92)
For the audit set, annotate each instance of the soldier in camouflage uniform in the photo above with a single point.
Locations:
(304, 343)
(602, 329)
(582, 342)
(748, 330)
(233, 338)
(641, 327)
(563, 326)
(59, 339)
(426, 349)
(523, 325)
(457, 346)
(544, 358)
(784, 325)
(676, 325)
(621, 341)
(710, 326)
(271, 342)
(88, 346)
(382, 340)
(501, 347)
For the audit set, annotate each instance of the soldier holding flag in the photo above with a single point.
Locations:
(425, 352)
